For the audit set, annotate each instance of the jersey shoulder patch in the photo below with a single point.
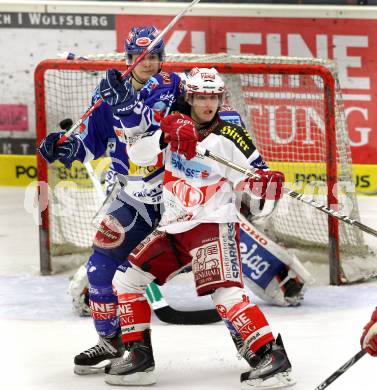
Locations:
(228, 114)
(238, 135)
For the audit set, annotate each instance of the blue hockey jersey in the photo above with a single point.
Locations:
(103, 132)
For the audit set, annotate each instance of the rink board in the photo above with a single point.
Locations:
(21, 170)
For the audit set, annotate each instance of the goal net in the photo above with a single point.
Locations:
(294, 112)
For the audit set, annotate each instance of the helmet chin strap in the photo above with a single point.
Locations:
(137, 79)
(141, 82)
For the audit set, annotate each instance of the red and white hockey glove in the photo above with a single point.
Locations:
(180, 134)
(368, 339)
(268, 186)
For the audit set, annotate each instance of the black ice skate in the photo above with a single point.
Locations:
(247, 354)
(137, 369)
(271, 369)
(95, 359)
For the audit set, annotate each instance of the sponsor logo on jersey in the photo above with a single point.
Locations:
(127, 329)
(111, 144)
(187, 194)
(190, 168)
(167, 98)
(155, 194)
(166, 79)
(240, 137)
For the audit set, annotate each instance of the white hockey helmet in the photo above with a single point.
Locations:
(203, 81)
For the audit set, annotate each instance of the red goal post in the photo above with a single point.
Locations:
(293, 109)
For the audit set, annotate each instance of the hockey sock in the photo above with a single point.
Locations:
(103, 309)
(135, 316)
(251, 324)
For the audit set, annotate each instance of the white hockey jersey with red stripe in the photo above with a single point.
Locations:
(200, 190)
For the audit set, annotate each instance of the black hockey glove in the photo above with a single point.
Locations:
(118, 94)
(66, 152)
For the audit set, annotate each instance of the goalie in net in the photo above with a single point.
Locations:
(279, 282)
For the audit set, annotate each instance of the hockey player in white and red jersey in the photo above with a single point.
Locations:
(200, 227)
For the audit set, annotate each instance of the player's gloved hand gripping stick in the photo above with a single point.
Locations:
(307, 199)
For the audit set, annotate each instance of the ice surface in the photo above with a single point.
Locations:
(40, 335)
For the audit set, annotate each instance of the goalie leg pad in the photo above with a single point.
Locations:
(79, 291)
(270, 271)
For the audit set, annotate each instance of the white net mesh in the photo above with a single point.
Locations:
(286, 116)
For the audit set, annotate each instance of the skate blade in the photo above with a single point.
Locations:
(136, 379)
(88, 370)
(281, 380)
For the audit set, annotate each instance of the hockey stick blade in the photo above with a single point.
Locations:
(177, 317)
(341, 370)
(169, 315)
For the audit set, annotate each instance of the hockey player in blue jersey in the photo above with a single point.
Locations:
(136, 210)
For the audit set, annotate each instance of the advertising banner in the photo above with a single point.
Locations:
(354, 49)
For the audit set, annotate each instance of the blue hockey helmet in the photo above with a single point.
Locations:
(140, 38)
